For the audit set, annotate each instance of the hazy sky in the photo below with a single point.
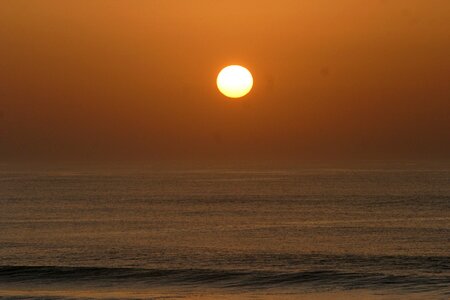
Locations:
(136, 79)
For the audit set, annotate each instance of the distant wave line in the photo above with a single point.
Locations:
(239, 279)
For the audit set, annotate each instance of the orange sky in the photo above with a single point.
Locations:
(136, 79)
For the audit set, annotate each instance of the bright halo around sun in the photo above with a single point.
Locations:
(235, 81)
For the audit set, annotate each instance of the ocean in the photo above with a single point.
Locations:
(145, 233)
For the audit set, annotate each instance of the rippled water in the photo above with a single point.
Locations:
(213, 234)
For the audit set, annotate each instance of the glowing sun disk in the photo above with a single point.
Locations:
(235, 81)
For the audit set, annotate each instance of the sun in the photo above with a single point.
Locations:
(234, 81)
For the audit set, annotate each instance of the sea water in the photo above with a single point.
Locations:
(142, 233)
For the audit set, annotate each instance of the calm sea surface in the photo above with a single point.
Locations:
(224, 234)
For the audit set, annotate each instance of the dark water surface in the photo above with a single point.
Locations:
(219, 234)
